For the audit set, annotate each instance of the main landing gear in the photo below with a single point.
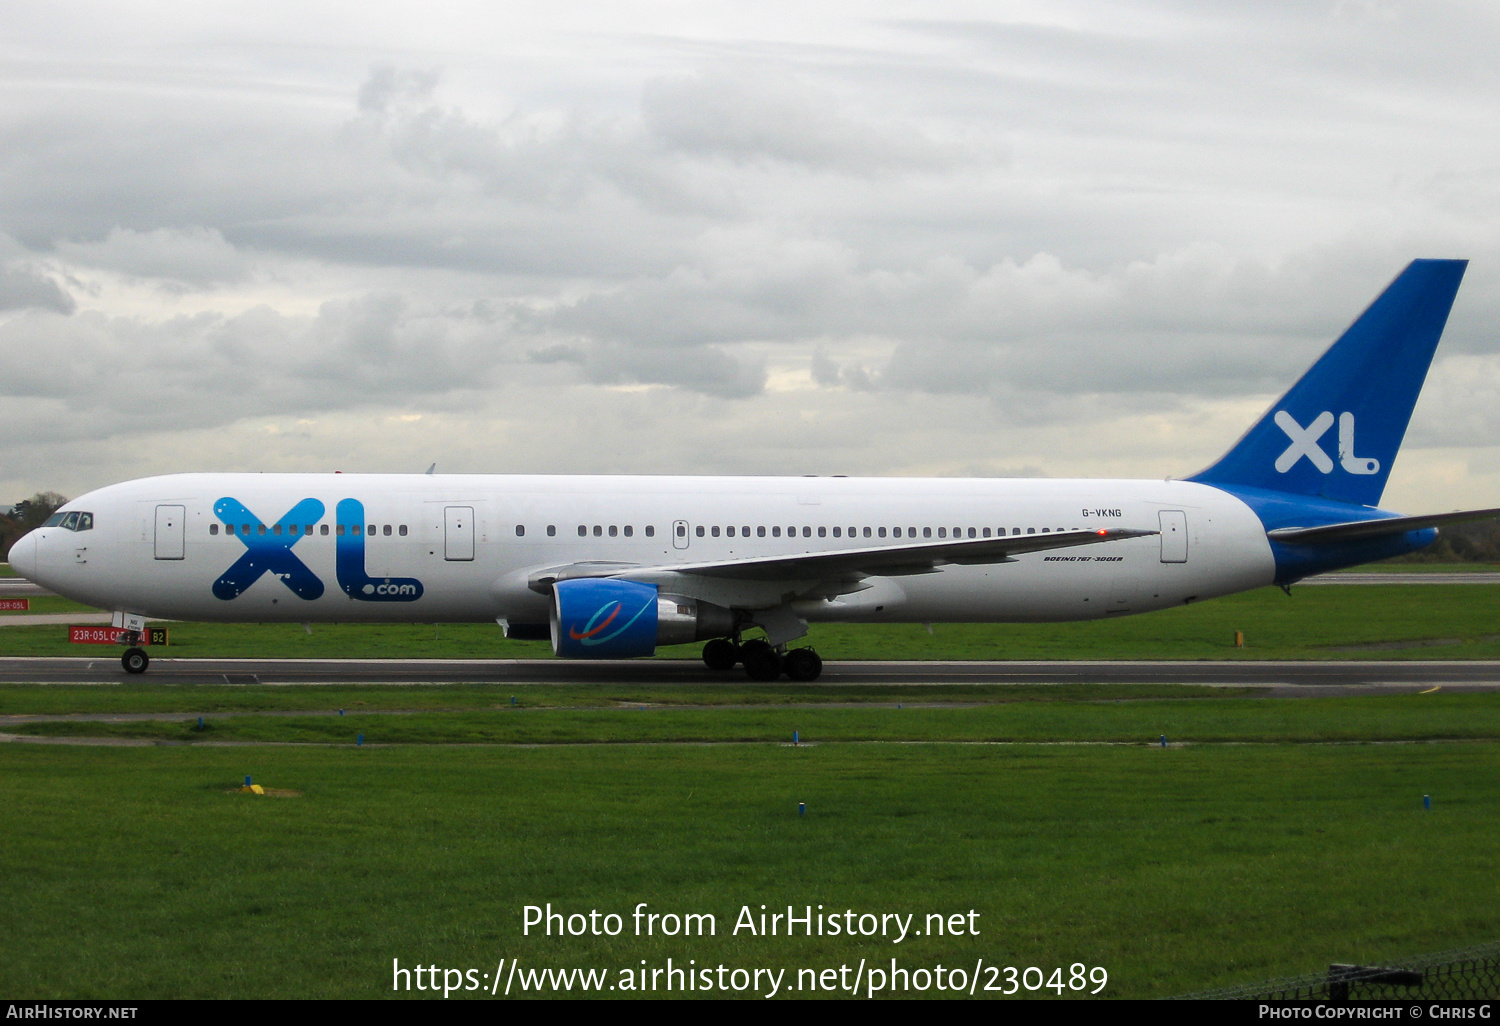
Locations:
(761, 661)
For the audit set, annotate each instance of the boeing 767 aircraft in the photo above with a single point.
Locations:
(613, 567)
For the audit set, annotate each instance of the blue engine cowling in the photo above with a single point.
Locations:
(603, 618)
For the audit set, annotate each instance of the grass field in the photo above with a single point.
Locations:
(1367, 622)
(137, 872)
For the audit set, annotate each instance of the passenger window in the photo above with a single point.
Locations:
(551, 530)
(942, 532)
(651, 531)
(882, 532)
(582, 531)
(323, 530)
(714, 531)
(614, 532)
(807, 532)
(745, 532)
(244, 529)
(520, 530)
(339, 530)
(386, 530)
(986, 532)
(973, 533)
(275, 528)
(760, 532)
(926, 532)
(775, 531)
(260, 528)
(729, 530)
(867, 532)
(1031, 530)
(822, 532)
(401, 531)
(354, 530)
(598, 531)
(699, 531)
(1046, 530)
(213, 528)
(629, 530)
(836, 533)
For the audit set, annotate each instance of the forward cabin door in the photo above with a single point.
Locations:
(680, 534)
(169, 531)
(1174, 536)
(458, 532)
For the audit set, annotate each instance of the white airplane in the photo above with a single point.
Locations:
(613, 567)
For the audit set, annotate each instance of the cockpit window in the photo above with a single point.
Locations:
(73, 521)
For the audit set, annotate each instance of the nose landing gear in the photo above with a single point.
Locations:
(135, 660)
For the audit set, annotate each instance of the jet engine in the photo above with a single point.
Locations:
(604, 618)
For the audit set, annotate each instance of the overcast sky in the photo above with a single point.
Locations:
(934, 238)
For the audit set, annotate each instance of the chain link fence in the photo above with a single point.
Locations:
(1463, 973)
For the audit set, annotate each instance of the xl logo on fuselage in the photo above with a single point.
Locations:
(271, 552)
(1305, 443)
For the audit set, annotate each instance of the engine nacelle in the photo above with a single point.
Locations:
(604, 618)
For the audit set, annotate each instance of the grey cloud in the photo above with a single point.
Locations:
(764, 114)
(707, 370)
(21, 288)
(100, 376)
(186, 257)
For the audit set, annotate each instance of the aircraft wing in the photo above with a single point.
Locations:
(880, 560)
(1359, 530)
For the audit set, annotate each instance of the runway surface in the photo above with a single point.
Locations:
(1269, 677)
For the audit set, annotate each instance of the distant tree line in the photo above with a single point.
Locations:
(27, 514)
(1478, 542)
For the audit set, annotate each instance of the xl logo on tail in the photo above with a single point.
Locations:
(1305, 443)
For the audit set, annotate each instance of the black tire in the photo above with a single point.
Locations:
(803, 664)
(762, 662)
(720, 654)
(135, 660)
(754, 645)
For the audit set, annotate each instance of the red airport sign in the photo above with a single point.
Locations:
(84, 635)
(15, 605)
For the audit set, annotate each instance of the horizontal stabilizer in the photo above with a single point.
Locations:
(1330, 534)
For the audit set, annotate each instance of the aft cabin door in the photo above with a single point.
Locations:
(169, 531)
(458, 532)
(1174, 537)
(680, 534)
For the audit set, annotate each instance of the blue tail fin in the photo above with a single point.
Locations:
(1336, 431)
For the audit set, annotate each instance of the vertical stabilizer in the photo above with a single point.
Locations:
(1336, 432)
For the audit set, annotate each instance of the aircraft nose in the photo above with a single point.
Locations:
(23, 556)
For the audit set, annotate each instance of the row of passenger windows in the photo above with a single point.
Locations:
(85, 521)
(865, 532)
(307, 529)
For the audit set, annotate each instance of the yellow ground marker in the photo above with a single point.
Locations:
(1435, 687)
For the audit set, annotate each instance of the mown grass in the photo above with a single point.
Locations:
(1364, 718)
(1326, 622)
(147, 697)
(134, 873)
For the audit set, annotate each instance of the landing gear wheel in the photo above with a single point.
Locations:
(135, 660)
(762, 662)
(720, 654)
(803, 664)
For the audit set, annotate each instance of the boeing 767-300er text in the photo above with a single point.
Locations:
(612, 567)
